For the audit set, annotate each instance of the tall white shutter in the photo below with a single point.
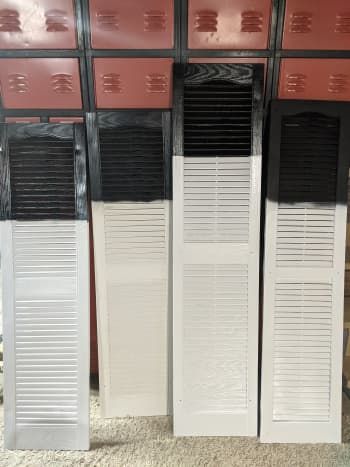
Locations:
(304, 273)
(216, 180)
(45, 287)
(131, 220)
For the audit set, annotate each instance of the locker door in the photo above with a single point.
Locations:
(44, 249)
(129, 166)
(216, 180)
(304, 272)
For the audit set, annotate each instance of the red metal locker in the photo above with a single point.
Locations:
(40, 83)
(228, 24)
(133, 83)
(132, 24)
(315, 79)
(37, 24)
(317, 24)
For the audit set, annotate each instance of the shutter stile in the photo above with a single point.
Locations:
(217, 170)
(44, 237)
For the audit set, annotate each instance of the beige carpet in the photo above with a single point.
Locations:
(149, 442)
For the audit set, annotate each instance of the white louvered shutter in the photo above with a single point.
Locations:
(131, 219)
(216, 180)
(304, 273)
(44, 250)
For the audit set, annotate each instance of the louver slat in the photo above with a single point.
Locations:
(131, 235)
(304, 264)
(45, 287)
(216, 249)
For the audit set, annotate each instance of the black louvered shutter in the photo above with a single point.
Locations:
(217, 135)
(129, 170)
(304, 272)
(45, 270)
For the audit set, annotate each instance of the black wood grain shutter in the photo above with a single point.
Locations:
(304, 271)
(44, 252)
(217, 135)
(130, 172)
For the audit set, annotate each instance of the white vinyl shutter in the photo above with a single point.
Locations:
(216, 181)
(44, 250)
(304, 273)
(131, 219)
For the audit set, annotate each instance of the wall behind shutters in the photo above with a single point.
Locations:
(217, 170)
(131, 218)
(304, 273)
(44, 237)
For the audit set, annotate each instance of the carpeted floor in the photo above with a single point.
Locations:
(149, 442)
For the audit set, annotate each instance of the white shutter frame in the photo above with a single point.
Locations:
(238, 421)
(329, 281)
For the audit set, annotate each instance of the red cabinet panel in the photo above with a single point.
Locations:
(40, 83)
(317, 79)
(317, 24)
(37, 24)
(132, 24)
(133, 83)
(228, 24)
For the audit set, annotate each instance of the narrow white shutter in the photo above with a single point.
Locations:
(44, 247)
(216, 180)
(304, 273)
(131, 222)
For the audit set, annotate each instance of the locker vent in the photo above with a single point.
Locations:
(301, 22)
(252, 21)
(155, 21)
(343, 23)
(42, 178)
(206, 21)
(296, 82)
(18, 83)
(338, 83)
(132, 165)
(10, 21)
(108, 20)
(46, 333)
(135, 231)
(216, 199)
(215, 337)
(156, 83)
(217, 119)
(56, 21)
(62, 83)
(302, 352)
(307, 191)
(112, 84)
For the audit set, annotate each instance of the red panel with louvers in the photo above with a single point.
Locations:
(37, 24)
(126, 83)
(315, 79)
(40, 83)
(228, 24)
(317, 24)
(132, 24)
